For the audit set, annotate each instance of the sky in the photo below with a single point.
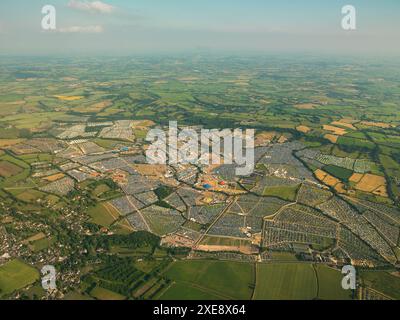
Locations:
(123, 27)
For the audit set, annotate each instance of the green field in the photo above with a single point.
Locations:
(15, 275)
(291, 281)
(338, 172)
(383, 282)
(329, 281)
(184, 291)
(103, 214)
(104, 294)
(284, 192)
(231, 280)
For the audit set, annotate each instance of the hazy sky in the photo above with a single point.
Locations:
(138, 26)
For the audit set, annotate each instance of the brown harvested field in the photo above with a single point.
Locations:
(215, 248)
(69, 98)
(282, 139)
(370, 183)
(356, 177)
(100, 105)
(55, 177)
(331, 137)
(264, 138)
(337, 131)
(4, 143)
(340, 188)
(303, 129)
(326, 178)
(175, 240)
(150, 170)
(142, 124)
(331, 181)
(8, 169)
(320, 174)
(342, 123)
(377, 124)
(36, 237)
(97, 107)
(305, 106)
(381, 191)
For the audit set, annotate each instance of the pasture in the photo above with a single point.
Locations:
(329, 281)
(103, 214)
(15, 275)
(283, 192)
(290, 281)
(232, 280)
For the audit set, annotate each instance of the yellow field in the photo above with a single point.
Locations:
(4, 143)
(327, 179)
(340, 188)
(97, 107)
(303, 129)
(305, 106)
(356, 177)
(377, 124)
(337, 131)
(264, 138)
(331, 181)
(331, 137)
(69, 98)
(370, 183)
(320, 174)
(343, 123)
(54, 177)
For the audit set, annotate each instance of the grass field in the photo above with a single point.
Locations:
(284, 192)
(41, 244)
(338, 172)
(104, 294)
(15, 275)
(30, 195)
(8, 169)
(329, 281)
(221, 241)
(231, 280)
(183, 291)
(383, 282)
(291, 281)
(103, 214)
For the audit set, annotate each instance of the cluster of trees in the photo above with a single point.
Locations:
(132, 241)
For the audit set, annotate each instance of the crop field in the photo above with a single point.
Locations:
(236, 283)
(103, 214)
(15, 275)
(383, 282)
(100, 293)
(285, 192)
(185, 291)
(329, 284)
(8, 169)
(338, 172)
(286, 282)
